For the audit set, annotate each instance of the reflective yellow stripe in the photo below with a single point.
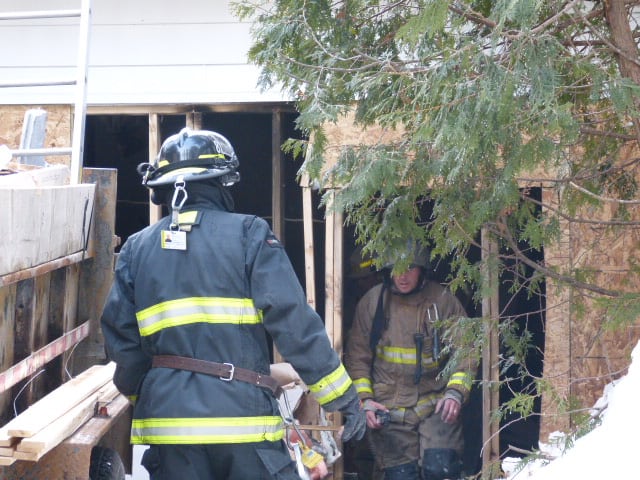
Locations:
(332, 386)
(427, 405)
(187, 218)
(212, 155)
(363, 385)
(462, 379)
(206, 430)
(185, 311)
(404, 356)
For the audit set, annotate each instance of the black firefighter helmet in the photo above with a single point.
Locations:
(193, 155)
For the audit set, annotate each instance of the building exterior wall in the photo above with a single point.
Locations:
(142, 52)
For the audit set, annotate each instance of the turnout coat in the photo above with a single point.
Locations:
(221, 299)
(387, 373)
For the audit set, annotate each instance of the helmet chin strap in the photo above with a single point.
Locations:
(179, 197)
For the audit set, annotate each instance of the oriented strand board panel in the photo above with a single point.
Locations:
(42, 224)
(58, 132)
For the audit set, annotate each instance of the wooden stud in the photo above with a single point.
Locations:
(277, 177)
(490, 372)
(309, 261)
(155, 211)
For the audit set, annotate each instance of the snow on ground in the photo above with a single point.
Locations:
(609, 452)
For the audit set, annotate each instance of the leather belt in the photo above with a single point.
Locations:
(224, 371)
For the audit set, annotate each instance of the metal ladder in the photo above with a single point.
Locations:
(76, 150)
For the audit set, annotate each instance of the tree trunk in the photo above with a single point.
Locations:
(622, 37)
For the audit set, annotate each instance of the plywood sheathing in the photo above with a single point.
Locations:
(58, 133)
(582, 355)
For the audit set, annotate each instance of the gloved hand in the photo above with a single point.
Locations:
(355, 421)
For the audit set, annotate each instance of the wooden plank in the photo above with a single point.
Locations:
(6, 461)
(36, 360)
(58, 402)
(333, 301)
(7, 331)
(38, 340)
(57, 431)
(96, 276)
(277, 177)
(490, 373)
(54, 175)
(70, 310)
(23, 338)
(155, 211)
(309, 261)
(41, 269)
(54, 433)
(43, 224)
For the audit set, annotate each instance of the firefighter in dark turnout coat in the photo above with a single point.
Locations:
(186, 321)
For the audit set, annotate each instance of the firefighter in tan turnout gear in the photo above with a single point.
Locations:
(194, 300)
(395, 355)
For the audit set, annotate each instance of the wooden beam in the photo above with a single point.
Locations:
(59, 401)
(490, 371)
(42, 268)
(333, 301)
(183, 109)
(309, 261)
(58, 430)
(277, 176)
(7, 330)
(155, 211)
(194, 120)
(36, 360)
(96, 276)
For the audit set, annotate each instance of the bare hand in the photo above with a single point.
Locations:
(370, 409)
(319, 472)
(449, 409)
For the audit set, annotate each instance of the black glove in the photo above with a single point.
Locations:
(355, 421)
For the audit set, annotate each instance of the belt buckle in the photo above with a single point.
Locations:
(230, 377)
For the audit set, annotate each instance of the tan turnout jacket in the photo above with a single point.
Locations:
(387, 375)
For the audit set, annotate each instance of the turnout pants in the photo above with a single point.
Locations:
(242, 461)
(401, 443)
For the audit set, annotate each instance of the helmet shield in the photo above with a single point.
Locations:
(195, 155)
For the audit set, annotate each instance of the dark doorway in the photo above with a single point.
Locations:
(122, 142)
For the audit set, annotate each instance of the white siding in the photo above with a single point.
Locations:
(141, 52)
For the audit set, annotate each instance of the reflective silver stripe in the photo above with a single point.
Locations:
(331, 386)
(363, 385)
(206, 430)
(404, 356)
(186, 311)
(462, 379)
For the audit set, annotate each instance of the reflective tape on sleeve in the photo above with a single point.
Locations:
(332, 386)
(363, 385)
(460, 380)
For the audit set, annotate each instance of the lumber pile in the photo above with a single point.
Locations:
(52, 419)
